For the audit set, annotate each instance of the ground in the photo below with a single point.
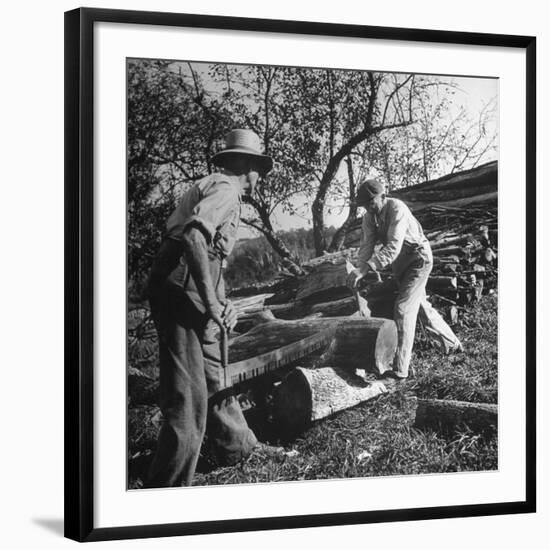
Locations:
(375, 438)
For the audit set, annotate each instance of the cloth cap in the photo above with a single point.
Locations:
(370, 189)
(244, 142)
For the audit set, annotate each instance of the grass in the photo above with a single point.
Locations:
(377, 438)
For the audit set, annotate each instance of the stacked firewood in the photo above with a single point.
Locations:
(464, 244)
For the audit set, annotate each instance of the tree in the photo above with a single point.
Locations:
(442, 142)
(326, 129)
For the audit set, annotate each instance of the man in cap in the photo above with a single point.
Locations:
(187, 297)
(390, 222)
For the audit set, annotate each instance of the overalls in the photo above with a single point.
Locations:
(191, 398)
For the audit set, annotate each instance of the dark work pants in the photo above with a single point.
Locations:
(191, 396)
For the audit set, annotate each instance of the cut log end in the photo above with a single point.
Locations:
(308, 395)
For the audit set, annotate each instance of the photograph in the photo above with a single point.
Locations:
(311, 273)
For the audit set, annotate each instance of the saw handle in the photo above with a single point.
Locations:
(224, 354)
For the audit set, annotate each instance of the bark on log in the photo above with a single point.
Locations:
(449, 415)
(290, 310)
(459, 240)
(246, 322)
(452, 251)
(307, 395)
(336, 308)
(328, 282)
(333, 258)
(250, 303)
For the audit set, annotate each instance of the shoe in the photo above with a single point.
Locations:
(391, 379)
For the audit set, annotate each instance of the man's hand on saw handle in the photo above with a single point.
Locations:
(223, 314)
(355, 277)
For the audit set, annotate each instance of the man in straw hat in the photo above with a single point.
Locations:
(390, 222)
(188, 304)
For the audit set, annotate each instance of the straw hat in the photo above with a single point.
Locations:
(244, 142)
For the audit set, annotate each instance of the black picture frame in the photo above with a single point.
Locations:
(79, 272)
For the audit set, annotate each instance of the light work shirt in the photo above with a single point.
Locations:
(214, 206)
(393, 227)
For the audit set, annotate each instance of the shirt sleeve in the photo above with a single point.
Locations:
(397, 228)
(368, 240)
(216, 205)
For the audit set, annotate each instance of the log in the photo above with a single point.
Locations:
(452, 251)
(388, 288)
(290, 310)
(448, 241)
(250, 303)
(449, 415)
(350, 343)
(328, 282)
(480, 179)
(336, 308)
(450, 268)
(441, 283)
(334, 258)
(246, 322)
(307, 395)
(453, 259)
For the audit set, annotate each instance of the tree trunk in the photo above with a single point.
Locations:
(281, 249)
(307, 395)
(266, 228)
(448, 415)
(340, 235)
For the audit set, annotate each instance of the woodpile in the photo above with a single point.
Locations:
(301, 352)
(459, 215)
(289, 321)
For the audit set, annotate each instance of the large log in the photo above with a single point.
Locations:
(328, 282)
(350, 343)
(307, 395)
(247, 321)
(449, 415)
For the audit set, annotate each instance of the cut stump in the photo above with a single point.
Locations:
(307, 395)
